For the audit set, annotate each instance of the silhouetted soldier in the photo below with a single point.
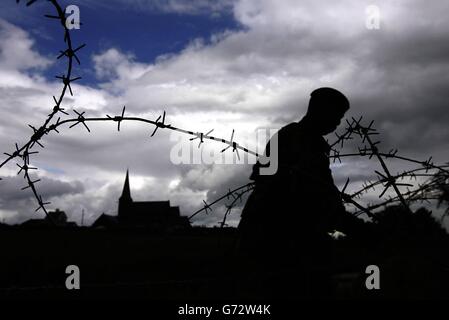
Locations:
(289, 214)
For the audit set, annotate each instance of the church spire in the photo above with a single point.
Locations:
(126, 193)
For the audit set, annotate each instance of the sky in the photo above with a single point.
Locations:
(225, 65)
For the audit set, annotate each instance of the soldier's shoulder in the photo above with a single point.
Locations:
(293, 130)
(291, 127)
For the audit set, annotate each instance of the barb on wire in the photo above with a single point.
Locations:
(207, 207)
(80, 119)
(236, 197)
(54, 127)
(57, 108)
(160, 124)
(390, 181)
(248, 187)
(118, 119)
(71, 53)
(67, 81)
(42, 204)
(336, 155)
(232, 144)
(37, 135)
(201, 136)
(25, 169)
(15, 153)
(26, 156)
(29, 186)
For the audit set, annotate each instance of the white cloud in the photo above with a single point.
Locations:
(187, 7)
(116, 65)
(190, 7)
(16, 49)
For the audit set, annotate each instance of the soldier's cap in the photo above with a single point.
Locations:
(325, 96)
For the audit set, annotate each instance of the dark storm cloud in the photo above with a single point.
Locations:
(24, 203)
(51, 188)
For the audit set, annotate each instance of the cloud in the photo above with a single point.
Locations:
(113, 64)
(190, 7)
(23, 203)
(186, 7)
(290, 49)
(16, 50)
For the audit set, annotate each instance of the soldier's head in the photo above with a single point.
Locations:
(327, 106)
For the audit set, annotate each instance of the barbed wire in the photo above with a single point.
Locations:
(424, 192)
(354, 127)
(388, 180)
(24, 152)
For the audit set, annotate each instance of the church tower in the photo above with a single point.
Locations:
(125, 201)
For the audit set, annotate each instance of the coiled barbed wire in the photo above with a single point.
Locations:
(424, 192)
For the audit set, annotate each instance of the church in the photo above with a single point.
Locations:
(154, 215)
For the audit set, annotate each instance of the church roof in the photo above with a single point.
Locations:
(152, 207)
(105, 220)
